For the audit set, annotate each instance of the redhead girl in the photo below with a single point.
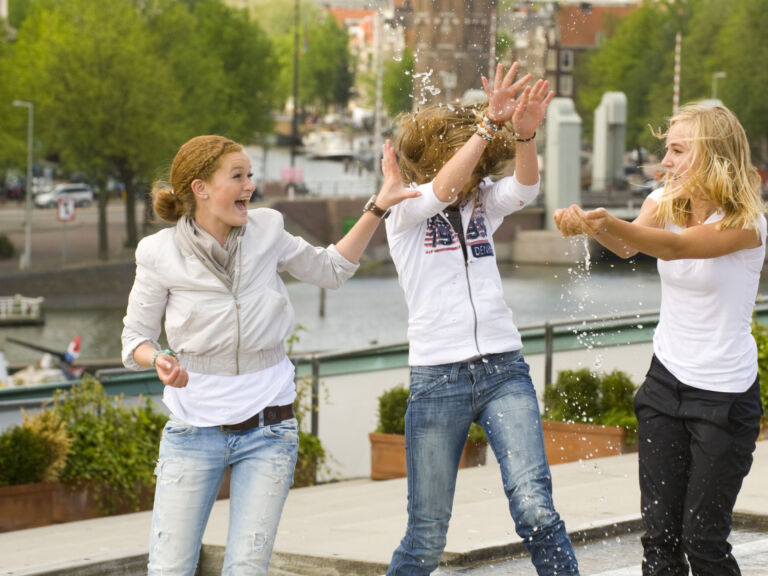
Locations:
(229, 386)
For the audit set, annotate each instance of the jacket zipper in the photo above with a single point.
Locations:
(464, 253)
(233, 293)
(237, 302)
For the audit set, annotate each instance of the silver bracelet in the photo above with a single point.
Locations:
(484, 133)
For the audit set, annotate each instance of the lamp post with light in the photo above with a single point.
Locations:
(26, 258)
(715, 77)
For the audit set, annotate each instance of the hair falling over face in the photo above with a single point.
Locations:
(428, 138)
(721, 169)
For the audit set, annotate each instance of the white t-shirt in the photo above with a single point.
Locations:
(704, 335)
(213, 400)
(455, 311)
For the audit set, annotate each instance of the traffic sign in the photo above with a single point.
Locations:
(65, 209)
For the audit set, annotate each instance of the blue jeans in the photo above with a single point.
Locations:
(189, 472)
(496, 392)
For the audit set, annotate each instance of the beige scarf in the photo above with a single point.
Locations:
(220, 260)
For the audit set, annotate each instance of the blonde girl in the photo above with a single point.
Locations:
(699, 408)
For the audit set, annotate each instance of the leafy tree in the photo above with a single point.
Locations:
(717, 35)
(17, 11)
(397, 84)
(640, 45)
(741, 51)
(101, 96)
(325, 67)
(118, 85)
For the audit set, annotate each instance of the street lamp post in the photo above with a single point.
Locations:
(715, 77)
(26, 258)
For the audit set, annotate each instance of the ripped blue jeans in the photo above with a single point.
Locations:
(189, 471)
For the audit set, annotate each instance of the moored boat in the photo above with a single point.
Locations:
(21, 310)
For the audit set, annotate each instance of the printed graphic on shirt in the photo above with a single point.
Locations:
(440, 236)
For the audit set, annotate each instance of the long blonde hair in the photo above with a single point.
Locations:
(428, 138)
(722, 170)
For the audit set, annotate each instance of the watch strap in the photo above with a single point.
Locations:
(371, 207)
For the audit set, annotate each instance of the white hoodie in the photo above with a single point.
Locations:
(456, 310)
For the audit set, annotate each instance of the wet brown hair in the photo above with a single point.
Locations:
(198, 158)
(428, 138)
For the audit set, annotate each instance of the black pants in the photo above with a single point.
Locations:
(695, 448)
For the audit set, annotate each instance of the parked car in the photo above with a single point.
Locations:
(81, 193)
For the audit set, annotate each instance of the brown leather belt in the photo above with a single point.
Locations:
(270, 415)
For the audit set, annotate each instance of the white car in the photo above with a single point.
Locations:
(81, 193)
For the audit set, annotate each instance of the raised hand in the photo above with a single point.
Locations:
(531, 108)
(392, 191)
(501, 97)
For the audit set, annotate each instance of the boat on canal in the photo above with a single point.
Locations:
(18, 310)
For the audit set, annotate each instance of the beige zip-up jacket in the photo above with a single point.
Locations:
(215, 330)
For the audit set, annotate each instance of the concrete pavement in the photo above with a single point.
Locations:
(351, 528)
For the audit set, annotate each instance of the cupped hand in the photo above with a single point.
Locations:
(392, 191)
(170, 372)
(567, 222)
(573, 221)
(501, 96)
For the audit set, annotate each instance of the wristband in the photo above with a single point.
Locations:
(164, 351)
(518, 139)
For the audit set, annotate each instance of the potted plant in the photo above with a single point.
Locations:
(760, 333)
(26, 499)
(588, 415)
(312, 455)
(110, 468)
(388, 441)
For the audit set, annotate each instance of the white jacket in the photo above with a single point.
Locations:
(215, 330)
(456, 310)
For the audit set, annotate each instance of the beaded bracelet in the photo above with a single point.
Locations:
(164, 351)
(490, 124)
(484, 133)
(518, 139)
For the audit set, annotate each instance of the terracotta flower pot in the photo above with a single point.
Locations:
(571, 441)
(388, 456)
(26, 505)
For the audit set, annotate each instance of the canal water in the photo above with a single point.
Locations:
(370, 310)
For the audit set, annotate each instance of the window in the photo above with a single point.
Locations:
(566, 60)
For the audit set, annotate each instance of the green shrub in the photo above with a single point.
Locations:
(114, 446)
(312, 455)
(476, 435)
(760, 332)
(7, 249)
(49, 426)
(591, 398)
(24, 457)
(393, 404)
(310, 459)
(574, 397)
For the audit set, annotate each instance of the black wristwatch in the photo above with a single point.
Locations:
(370, 206)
